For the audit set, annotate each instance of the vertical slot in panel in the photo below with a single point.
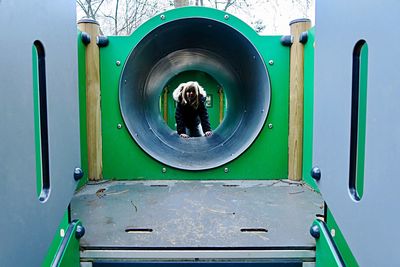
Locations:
(40, 114)
(358, 120)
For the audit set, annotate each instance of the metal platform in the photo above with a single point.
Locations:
(196, 214)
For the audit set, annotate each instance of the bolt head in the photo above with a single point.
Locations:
(162, 16)
(226, 170)
(315, 231)
(78, 174)
(226, 16)
(119, 125)
(316, 173)
(164, 170)
(118, 63)
(271, 62)
(80, 231)
(270, 125)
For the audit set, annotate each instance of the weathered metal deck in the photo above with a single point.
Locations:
(196, 214)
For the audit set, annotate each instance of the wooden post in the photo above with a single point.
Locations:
(93, 112)
(221, 104)
(165, 104)
(296, 99)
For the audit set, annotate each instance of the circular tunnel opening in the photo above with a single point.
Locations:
(199, 45)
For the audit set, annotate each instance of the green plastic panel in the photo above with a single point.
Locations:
(362, 120)
(70, 256)
(308, 108)
(82, 109)
(340, 241)
(266, 158)
(58, 238)
(325, 251)
(36, 120)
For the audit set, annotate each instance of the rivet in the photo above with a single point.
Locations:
(271, 62)
(164, 170)
(118, 63)
(270, 125)
(119, 125)
(162, 16)
(226, 16)
(226, 170)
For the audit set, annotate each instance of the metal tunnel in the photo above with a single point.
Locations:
(195, 44)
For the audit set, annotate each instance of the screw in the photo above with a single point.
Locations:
(270, 125)
(226, 16)
(164, 170)
(118, 63)
(78, 174)
(271, 62)
(119, 125)
(226, 170)
(162, 17)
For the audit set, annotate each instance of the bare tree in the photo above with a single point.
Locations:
(258, 25)
(181, 3)
(121, 17)
(90, 7)
(127, 15)
(199, 3)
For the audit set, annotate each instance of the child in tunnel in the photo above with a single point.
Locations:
(191, 113)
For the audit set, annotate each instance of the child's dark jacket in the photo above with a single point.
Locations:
(188, 117)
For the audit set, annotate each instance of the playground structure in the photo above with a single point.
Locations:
(285, 107)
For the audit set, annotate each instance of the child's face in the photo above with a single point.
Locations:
(190, 94)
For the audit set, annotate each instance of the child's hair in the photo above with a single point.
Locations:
(180, 93)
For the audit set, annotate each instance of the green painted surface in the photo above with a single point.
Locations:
(56, 241)
(36, 114)
(71, 253)
(266, 158)
(70, 256)
(362, 120)
(210, 85)
(325, 255)
(82, 109)
(340, 241)
(308, 109)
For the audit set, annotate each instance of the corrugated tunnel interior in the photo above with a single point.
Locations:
(204, 45)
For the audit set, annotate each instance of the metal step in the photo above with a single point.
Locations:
(241, 257)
